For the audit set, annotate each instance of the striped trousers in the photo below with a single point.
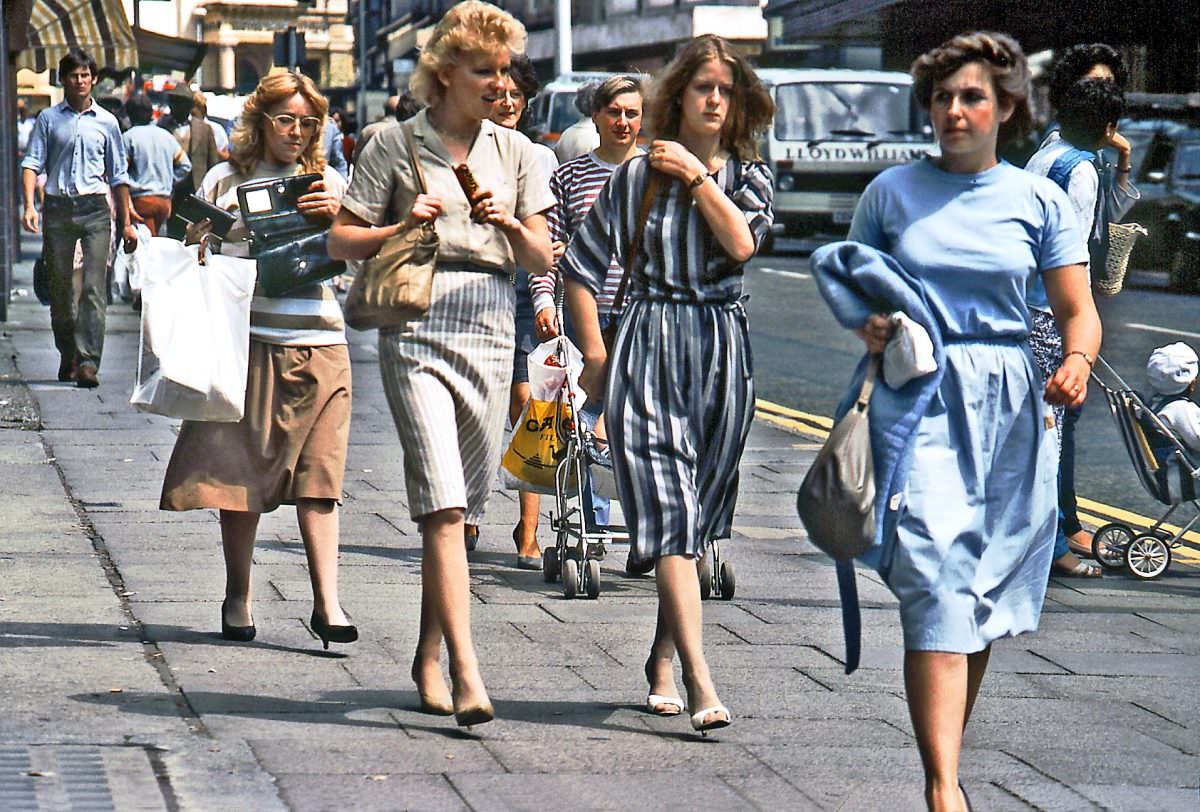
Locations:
(446, 377)
(680, 400)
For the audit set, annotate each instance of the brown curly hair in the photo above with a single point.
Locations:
(1005, 62)
(467, 27)
(750, 107)
(247, 149)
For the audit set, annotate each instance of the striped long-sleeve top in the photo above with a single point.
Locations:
(576, 184)
(679, 260)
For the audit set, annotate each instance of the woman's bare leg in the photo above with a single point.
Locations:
(679, 608)
(237, 541)
(660, 665)
(446, 613)
(318, 519)
(936, 683)
(525, 533)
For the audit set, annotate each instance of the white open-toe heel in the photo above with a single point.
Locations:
(661, 705)
(723, 720)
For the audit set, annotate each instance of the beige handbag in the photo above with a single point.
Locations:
(395, 285)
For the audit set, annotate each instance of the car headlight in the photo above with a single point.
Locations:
(787, 182)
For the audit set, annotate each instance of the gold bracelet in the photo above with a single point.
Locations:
(1091, 362)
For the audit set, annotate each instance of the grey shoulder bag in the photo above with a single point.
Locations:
(836, 501)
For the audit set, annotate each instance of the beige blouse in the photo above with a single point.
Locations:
(503, 161)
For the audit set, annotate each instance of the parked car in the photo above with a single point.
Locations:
(1165, 167)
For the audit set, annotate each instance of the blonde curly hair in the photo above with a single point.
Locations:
(467, 27)
(247, 149)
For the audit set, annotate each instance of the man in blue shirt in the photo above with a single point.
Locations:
(156, 163)
(77, 144)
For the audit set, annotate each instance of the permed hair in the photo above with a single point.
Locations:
(611, 88)
(1086, 111)
(247, 148)
(472, 26)
(750, 106)
(1074, 63)
(1005, 62)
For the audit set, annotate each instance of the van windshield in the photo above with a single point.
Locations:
(839, 110)
(563, 112)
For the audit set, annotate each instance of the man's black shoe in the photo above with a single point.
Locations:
(86, 377)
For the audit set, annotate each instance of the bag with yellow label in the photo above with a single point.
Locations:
(538, 442)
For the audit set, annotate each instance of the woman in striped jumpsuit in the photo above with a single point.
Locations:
(679, 392)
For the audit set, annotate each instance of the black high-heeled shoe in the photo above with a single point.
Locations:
(331, 634)
(238, 634)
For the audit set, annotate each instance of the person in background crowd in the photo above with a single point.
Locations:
(395, 109)
(1088, 119)
(1171, 371)
(349, 125)
(1117, 195)
(448, 404)
(581, 137)
(335, 156)
(509, 111)
(290, 447)
(77, 143)
(679, 373)
(974, 528)
(204, 141)
(24, 128)
(617, 114)
(156, 163)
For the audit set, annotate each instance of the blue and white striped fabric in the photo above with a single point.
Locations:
(680, 389)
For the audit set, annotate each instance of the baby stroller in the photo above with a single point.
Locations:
(1166, 472)
(581, 541)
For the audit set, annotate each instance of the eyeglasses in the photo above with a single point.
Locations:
(284, 122)
(511, 95)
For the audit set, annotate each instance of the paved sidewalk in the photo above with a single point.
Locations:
(116, 687)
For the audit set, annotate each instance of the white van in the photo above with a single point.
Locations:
(553, 108)
(834, 131)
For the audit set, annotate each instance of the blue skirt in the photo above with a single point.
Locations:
(974, 537)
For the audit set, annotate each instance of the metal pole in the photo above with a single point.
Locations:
(9, 235)
(361, 104)
(562, 33)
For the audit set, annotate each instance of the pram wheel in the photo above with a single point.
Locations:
(570, 578)
(726, 581)
(550, 566)
(1147, 557)
(591, 578)
(704, 573)
(1109, 544)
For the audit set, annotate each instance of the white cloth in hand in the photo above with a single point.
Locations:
(909, 353)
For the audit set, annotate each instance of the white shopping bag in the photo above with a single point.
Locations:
(127, 268)
(537, 442)
(195, 339)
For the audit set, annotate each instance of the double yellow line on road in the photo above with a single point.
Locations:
(1095, 513)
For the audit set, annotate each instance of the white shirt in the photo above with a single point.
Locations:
(1183, 418)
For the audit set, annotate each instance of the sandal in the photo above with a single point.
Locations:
(660, 705)
(471, 539)
(1080, 570)
(723, 719)
(1083, 549)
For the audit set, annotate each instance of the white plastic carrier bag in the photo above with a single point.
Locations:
(538, 440)
(127, 268)
(195, 337)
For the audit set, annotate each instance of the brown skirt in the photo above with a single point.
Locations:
(291, 443)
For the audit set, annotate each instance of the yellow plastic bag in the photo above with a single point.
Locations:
(537, 444)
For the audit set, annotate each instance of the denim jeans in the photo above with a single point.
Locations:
(78, 330)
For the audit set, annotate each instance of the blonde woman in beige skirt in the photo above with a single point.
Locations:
(447, 374)
(290, 447)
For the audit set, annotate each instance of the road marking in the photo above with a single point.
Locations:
(788, 274)
(1151, 328)
(818, 426)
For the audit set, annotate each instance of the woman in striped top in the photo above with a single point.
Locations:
(679, 394)
(290, 447)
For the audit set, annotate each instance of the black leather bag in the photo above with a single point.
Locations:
(289, 246)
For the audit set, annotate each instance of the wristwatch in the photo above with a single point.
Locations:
(698, 181)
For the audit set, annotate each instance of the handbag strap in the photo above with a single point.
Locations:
(652, 185)
(868, 384)
(418, 172)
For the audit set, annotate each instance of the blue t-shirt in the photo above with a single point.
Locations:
(973, 240)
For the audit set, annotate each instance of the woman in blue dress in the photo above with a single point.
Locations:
(975, 530)
(678, 387)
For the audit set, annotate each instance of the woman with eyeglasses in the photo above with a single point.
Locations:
(290, 447)
(509, 111)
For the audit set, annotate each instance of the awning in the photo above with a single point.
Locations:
(99, 27)
(158, 53)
